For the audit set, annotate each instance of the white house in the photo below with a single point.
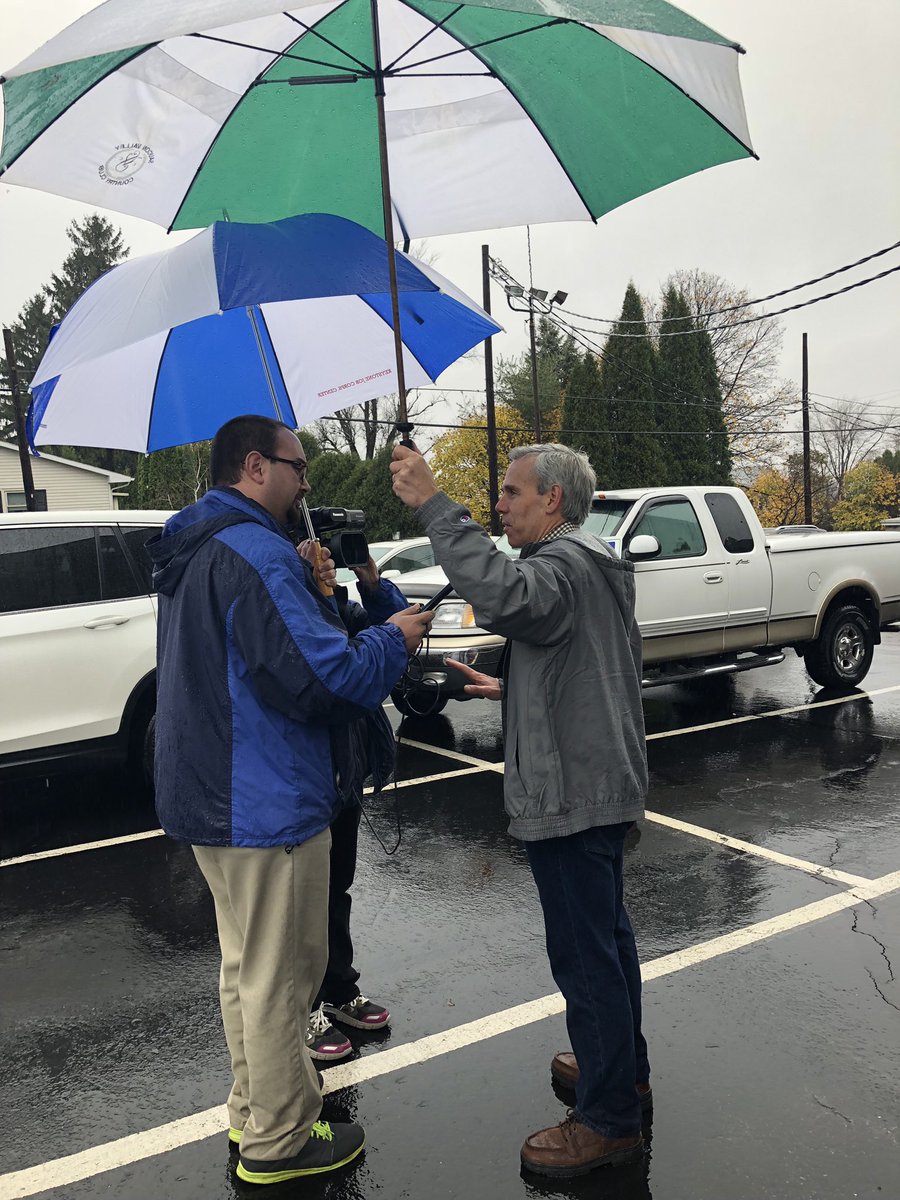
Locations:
(58, 483)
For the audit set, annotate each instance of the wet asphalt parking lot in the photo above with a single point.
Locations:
(764, 887)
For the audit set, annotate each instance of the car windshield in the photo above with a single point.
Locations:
(378, 550)
(606, 516)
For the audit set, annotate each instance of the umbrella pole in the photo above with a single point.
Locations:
(403, 426)
(251, 313)
(324, 588)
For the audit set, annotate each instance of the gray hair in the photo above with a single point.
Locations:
(571, 469)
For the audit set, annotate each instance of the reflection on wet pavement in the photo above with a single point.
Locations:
(110, 1023)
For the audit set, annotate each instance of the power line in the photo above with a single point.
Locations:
(762, 316)
(749, 303)
(739, 432)
(733, 324)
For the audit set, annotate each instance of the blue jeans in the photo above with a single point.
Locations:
(594, 961)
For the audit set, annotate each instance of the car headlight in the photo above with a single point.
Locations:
(453, 614)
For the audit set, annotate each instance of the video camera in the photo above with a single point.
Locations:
(340, 530)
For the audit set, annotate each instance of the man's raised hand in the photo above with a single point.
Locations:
(413, 481)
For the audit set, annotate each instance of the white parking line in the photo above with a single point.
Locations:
(454, 754)
(785, 860)
(40, 855)
(129, 1150)
(775, 712)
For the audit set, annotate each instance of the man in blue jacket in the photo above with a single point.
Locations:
(258, 686)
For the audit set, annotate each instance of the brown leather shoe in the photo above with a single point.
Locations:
(564, 1069)
(572, 1149)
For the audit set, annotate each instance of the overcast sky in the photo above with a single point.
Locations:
(822, 93)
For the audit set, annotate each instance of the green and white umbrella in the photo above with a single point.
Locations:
(495, 112)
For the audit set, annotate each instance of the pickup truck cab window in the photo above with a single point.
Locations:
(675, 526)
(606, 516)
(736, 535)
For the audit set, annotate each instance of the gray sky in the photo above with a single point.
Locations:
(822, 93)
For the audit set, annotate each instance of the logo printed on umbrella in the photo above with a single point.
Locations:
(342, 387)
(122, 166)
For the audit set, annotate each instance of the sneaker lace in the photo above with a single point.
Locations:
(318, 1022)
(358, 1001)
(321, 1129)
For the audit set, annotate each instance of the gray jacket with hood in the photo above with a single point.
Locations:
(572, 716)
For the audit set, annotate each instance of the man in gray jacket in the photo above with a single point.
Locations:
(575, 766)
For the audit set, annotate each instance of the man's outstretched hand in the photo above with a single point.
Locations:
(413, 480)
(485, 686)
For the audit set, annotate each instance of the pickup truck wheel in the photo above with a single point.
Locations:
(420, 704)
(842, 654)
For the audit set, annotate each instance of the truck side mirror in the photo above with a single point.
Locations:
(641, 546)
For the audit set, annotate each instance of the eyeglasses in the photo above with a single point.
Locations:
(297, 463)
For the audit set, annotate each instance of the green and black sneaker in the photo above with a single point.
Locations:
(329, 1146)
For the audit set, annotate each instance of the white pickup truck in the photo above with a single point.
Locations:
(715, 593)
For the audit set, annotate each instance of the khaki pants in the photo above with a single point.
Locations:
(272, 916)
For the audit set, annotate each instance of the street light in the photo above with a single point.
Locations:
(517, 292)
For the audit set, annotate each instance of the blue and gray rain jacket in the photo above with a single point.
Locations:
(258, 680)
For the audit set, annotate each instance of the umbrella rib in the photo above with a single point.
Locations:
(219, 132)
(159, 363)
(434, 28)
(523, 106)
(328, 42)
(277, 54)
(443, 75)
(405, 345)
(505, 37)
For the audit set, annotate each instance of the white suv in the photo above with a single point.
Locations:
(77, 635)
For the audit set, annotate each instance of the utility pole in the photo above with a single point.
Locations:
(807, 466)
(12, 372)
(538, 431)
(493, 485)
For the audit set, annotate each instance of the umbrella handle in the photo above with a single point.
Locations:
(324, 588)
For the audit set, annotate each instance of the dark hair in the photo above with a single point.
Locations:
(235, 440)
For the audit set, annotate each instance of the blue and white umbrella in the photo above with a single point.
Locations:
(289, 319)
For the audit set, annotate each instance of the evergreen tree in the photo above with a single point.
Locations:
(890, 459)
(584, 409)
(689, 404)
(386, 514)
(328, 475)
(97, 245)
(718, 447)
(556, 357)
(628, 383)
(171, 478)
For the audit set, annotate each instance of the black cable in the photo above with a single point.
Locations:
(754, 320)
(372, 829)
(746, 303)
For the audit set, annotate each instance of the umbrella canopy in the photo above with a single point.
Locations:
(498, 112)
(291, 319)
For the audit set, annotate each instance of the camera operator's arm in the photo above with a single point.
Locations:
(380, 597)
